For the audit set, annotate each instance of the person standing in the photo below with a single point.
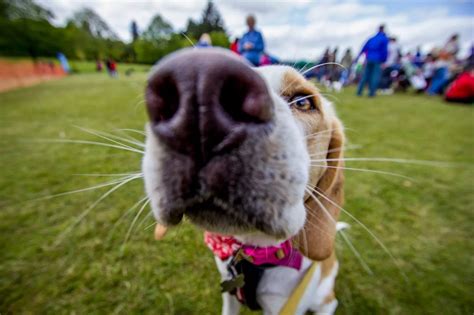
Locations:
(346, 62)
(390, 65)
(333, 68)
(98, 65)
(375, 50)
(251, 45)
(111, 67)
(452, 46)
(321, 70)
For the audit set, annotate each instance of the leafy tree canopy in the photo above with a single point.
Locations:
(158, 29)
(24, 9)
(211, 21)
(134, 31)
(92, 23)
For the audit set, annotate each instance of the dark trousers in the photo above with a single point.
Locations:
(386, 78)
(371, 77)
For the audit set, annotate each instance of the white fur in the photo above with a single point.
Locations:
(272, 295)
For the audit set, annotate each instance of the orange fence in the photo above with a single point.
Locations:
(15, 74)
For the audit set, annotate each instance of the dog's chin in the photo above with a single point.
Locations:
(216, 216)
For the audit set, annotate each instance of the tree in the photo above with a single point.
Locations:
(24, 9)
(27, 30)
(92, 23)
(220, 39)
(211, 21)
(158, 29)
(134, 30)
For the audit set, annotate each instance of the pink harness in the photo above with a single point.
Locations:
(282, 255)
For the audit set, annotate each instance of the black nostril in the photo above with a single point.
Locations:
(162, 98)
(239, 100)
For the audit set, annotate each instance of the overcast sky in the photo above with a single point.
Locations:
(298, 28)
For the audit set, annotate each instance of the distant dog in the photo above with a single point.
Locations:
(254, 156)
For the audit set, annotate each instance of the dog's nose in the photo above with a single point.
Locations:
(203, 102)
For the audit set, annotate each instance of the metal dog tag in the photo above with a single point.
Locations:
(232, 284)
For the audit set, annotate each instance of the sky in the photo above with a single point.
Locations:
(299, 29)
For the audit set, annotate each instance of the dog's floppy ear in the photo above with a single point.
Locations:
(316, 240)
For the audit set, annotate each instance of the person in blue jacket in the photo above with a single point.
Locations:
(251, 45)
(376, 51)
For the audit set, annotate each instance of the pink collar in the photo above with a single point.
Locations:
(282, 255)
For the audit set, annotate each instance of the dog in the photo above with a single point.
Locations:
(254, 156)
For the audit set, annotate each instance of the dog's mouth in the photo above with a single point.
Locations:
(217, 215)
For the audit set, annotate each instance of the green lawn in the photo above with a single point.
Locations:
(90, 67)
(426, 222)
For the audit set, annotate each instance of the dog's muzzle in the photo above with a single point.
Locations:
(202, 103)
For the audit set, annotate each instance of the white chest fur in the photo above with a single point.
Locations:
(278, 283)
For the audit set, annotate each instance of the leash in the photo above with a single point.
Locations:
(293, 301)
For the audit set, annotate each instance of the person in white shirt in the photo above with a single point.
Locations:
(392, 64)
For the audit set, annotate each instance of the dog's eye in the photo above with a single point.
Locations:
(302, 102)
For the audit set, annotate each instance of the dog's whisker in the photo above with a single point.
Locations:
(132, 225)
(335, 98)
(364, 170)
(310, 191)
(140, 224)
(125, 138)
(110, 175)
(150, 226)
(330, 130)
(140, 143)
(308, 211)
(104, 144)
(110, 137)
(328, 214)
(356, 253)
(125, 214)
(302, 98)
(302, 68)
(308, 70)
(110, 183)
(138, 103)
(395, 160)
(189, 39)
(372, 234)
(132, 130)
(322, 65)
(345, 148)
(320, 133)
(89, 209)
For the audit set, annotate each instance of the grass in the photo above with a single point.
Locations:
(83, 67)
(425, 222)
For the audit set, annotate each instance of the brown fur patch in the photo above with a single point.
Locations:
(325, 140)
(329, 298)
(327, 266)
(320, 226)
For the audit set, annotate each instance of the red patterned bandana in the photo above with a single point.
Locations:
(221, 245)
